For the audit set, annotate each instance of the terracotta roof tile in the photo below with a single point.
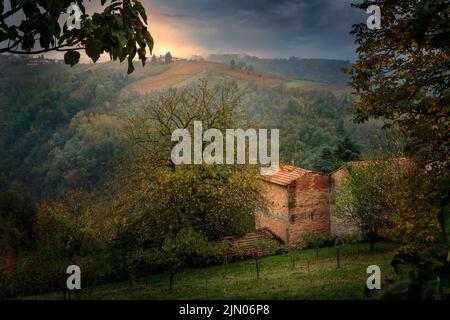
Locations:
(285, 175)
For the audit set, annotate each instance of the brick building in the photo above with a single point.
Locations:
(299, 202)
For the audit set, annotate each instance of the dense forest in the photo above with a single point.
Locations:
(62, 128)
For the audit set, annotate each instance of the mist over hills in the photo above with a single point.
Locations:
(61, 127)
(321, 70)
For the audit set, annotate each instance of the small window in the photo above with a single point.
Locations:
(311, 216)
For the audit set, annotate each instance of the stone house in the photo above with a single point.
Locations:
(299, 202)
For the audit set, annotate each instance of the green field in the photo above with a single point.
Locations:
(278, 278)
(292, 84)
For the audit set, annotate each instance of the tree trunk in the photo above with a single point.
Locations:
(357, 250)
(130, 282)
(338, 258)
(317, 253)
(225, 266)
(257, 268)
(172, 275)
(372, 244)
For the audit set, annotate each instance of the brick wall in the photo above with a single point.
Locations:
(275, 217)
(303, 206)
(293, 210)
(337, 176)
(310, 210)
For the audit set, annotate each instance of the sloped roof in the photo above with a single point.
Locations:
(399, 161)
(285, 175)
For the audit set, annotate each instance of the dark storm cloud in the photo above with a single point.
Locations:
(314, 28)
(303, 28)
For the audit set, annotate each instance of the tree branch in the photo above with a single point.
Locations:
(9, 13)
(61, 48)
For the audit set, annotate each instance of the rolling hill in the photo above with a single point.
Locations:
(319, 70)
(156, 76)
(61, 127)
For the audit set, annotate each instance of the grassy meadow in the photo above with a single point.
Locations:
(279, 279)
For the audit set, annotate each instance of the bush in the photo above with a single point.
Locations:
(316, 240)
(43, 271)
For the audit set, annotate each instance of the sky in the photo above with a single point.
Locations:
(264, 28)
(283, 28)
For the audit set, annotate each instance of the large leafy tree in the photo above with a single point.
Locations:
(33, 27)
(17, 213)
(345, 151)
(362, 199)
(402, 76)
(215, 200)
(402, 72)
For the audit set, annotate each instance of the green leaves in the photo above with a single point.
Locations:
(71, 57)
(119, 30)
(217, 200)
(419, 278)
(94, 48)
(141, 10)
(401, 76)
(130, 66)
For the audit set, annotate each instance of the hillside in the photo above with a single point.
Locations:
(61, 126)
(320, 70)
(157, 76)
(268, 73)
(182, 73)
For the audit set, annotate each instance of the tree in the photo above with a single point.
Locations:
(241, 65)
(326, 161)
(215, 200)
(292, 249)
(422, 263)
(263, 247)
(346, 150)
(168, 58)
(293, 107)
(354, 238)
(363, 197)
(120, 30)
(338, 243)
(340, 129)
(314, 240)
(401, 75)
(65, 228)
(17, 214)
(232, 64)
(187, 248)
